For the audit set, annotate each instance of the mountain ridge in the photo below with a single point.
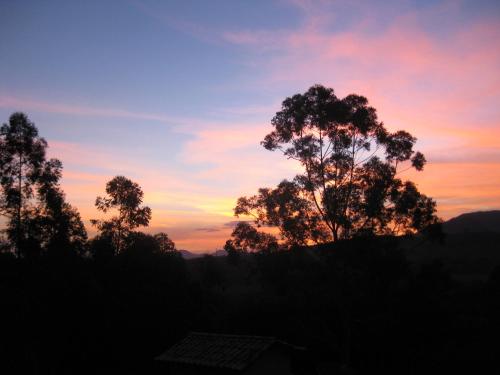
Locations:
(474, 222)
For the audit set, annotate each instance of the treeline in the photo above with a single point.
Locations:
(350, 187)
(39, 221)
(334, 280)
(69, 304)
(357, 303)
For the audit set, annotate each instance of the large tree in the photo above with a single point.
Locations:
(32, 200)
(125, 197)
(22, 154)
(351, 181)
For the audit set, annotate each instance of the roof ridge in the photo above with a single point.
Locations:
(231, 335)
(218, 349)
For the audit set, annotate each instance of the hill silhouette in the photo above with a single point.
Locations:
(474, 222)
(470, 250)
(186, 254)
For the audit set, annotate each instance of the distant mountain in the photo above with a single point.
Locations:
(219, 253)
(474, 222)
(186, 254)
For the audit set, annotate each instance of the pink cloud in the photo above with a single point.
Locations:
(460, 187)
(444, 88)
(236, 159)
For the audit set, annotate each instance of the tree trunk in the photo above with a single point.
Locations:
(20, 188)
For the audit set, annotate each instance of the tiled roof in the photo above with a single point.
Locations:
(233, 352)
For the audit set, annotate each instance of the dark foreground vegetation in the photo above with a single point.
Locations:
(359, 273)
(358, 302)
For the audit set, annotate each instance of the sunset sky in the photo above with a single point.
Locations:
(177, 95)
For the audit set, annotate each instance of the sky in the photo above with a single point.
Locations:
(177, 95)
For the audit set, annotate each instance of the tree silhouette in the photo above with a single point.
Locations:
(245, 239)
(142, 243)
(32, 200)
(60, 225)
(21, 160)
(125, 196)
(350, 184)
(165, 244)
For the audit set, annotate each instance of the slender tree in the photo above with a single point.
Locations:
(124, 196)
(350, 183)
(21, 160)
(31, 199)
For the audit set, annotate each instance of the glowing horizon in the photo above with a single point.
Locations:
(178, 97)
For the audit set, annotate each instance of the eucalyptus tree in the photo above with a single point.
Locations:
(22, 155)
(31, 198)
(125, 197)
(351, 181)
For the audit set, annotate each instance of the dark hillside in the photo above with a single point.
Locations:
(474, 222)
(471, 249)
(467, 256)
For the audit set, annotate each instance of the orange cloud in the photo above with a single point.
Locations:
(460, 187)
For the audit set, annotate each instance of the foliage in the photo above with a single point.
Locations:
(158, 243)
(286, 209)
(248, 239)
(59, 223)
(350, 184)
(101, 248)
(21, 160)
(165, 244)
(38, 217)
(126, 197)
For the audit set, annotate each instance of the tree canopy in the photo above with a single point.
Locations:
(125, 196)
(165, 244)
(350, 184)
(248, 239)
(38, 217)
